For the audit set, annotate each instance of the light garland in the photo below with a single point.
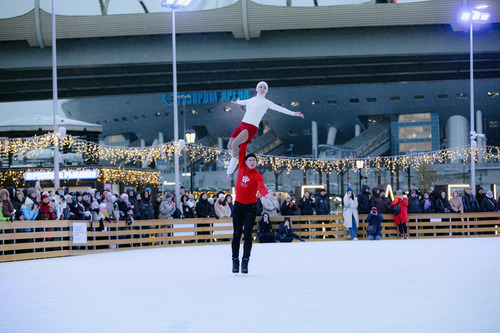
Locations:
(105, 175)
(30, 147)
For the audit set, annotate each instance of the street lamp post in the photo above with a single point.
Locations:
(175, 4)
(359, 165)
(471, 17)
(55, 97)
(190, 138)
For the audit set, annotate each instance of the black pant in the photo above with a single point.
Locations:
(243, 214)
(402, 228)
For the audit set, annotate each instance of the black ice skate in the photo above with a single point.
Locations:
(244, 266)
(236, 265)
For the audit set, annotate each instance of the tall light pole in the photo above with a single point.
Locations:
(473, 16)
(359, 166)
(54, 97)
(190, 138)
(175, 4)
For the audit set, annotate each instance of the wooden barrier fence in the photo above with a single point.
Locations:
(24, 240)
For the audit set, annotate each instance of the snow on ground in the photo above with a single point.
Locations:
(431, 285)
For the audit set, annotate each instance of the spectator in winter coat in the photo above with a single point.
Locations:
(414, 205)
(259, 208)
(442, 204)
(427, 204)
(271, 204)
(364, 200)
(187, 210)
(86, 201)
(6, 206)
(221, 207)
(456, 205)
(126, 211)
(139, 213)
(146, 206)
(77, 208)
(286, 234)
(378, 201)
(66, 211)
(229, 200)
(167, 207)
(18, 200)
(489, 204)
(46, 209)
(351, 219)
(192, 204)
(288, 207)
(388, 201)
(322, 203)
(374, 229)
(306, 204)
(433, 195)
(480, 196)
(418, 193)
(469, 201)
(156, 205)
(266, 233)
(211, 202)
(112, 209)
(402, 217)
(203, 208)
(29, 210)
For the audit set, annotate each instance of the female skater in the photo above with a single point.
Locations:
(245, 132)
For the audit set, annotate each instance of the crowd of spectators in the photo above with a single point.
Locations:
(34, 203)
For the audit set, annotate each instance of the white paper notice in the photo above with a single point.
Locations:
(79, 233)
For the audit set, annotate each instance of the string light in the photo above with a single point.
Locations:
(105, 175)
(28, 148)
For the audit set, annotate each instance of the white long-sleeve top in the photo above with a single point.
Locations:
(257, 107)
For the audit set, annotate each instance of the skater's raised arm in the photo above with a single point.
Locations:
(281, 109)
(242, 156)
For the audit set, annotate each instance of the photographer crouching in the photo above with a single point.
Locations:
(374, 229)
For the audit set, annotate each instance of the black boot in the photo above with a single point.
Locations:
(236, 265)
(244, 266)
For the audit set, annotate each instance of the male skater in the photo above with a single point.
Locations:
(248, 182)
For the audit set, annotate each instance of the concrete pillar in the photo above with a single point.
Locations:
(314, 132)
(332, 134)
(357, 130)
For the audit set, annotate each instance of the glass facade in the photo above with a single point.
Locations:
(413, 133)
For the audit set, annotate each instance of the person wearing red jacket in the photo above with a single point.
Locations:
(248, 182)
(401, 218)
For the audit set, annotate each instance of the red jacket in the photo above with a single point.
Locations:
(402, 217)
(248, 181)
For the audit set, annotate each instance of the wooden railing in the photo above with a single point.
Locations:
(46, 239)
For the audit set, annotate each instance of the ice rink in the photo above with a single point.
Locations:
(432, 285)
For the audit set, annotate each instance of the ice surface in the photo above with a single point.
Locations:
(432, 285)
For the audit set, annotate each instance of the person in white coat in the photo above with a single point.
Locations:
(351, 220)
(270, 204)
